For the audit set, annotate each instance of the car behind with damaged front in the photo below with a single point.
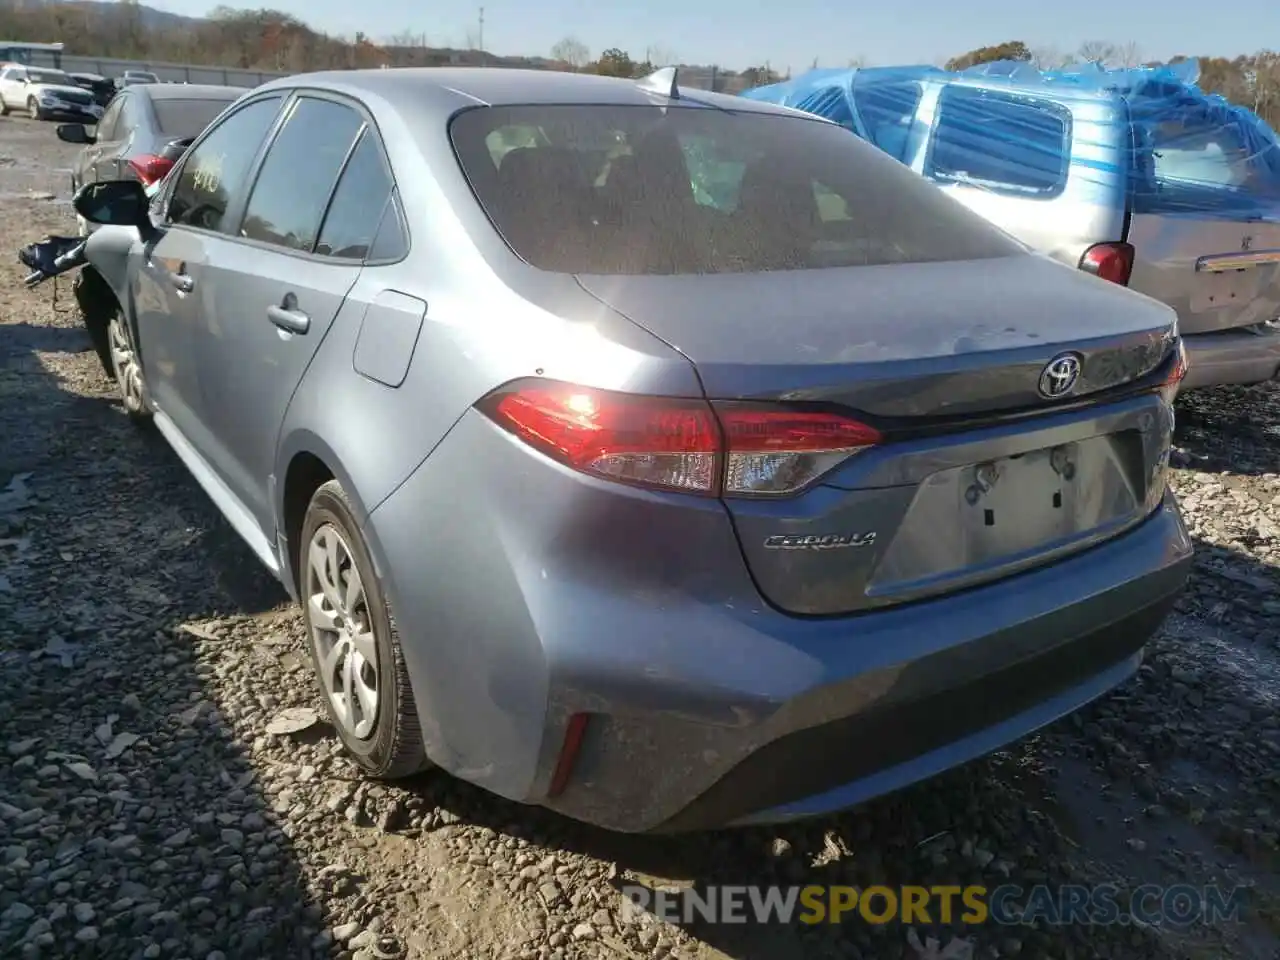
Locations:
(663, 458)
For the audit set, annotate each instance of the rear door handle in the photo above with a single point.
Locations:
(291, 320)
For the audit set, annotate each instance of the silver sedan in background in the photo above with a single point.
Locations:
(663, 458)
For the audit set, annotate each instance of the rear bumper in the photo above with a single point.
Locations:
(526, 596)
(941, 724)
(1240, 357)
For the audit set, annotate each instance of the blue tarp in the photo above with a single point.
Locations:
(1173, 137)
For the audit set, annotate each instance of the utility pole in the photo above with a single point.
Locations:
(480, 38)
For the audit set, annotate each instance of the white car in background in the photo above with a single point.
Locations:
(46, 94)
(131, 77)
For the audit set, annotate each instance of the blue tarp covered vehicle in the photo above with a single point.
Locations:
(1163, 112)
(1135, 175)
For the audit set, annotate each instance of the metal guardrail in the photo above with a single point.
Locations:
(174, 72)
(703, 78)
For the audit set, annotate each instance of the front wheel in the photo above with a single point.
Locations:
(127, 369)
(354, 644)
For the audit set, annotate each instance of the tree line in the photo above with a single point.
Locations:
(271, 40)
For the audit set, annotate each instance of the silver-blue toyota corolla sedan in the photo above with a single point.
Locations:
(667, 459)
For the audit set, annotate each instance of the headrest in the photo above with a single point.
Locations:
(541, 171)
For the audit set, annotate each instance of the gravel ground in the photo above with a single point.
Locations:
(167, 789)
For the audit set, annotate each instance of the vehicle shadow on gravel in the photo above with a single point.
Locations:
(131, 823)
(1233, 430)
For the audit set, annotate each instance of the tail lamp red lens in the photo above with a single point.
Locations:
(1177, 373)
(719, 448)
(1109, 261)
(150, 168)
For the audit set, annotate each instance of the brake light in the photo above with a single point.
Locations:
(150, 168)
(1110, 261)
(712, 449)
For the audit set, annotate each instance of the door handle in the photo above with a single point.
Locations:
(183, 282)
(288, 317)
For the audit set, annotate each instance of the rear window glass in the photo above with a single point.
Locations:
(1191, 151)
(187, 118)
(999, 142)
(643, 190)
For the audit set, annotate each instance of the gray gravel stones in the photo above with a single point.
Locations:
(169, 788)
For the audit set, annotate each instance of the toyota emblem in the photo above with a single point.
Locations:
(1060, 375)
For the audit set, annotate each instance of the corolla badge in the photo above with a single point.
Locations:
(828, 541)
(1060, 375)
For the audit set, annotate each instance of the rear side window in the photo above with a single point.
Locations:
(358, 203)
(299, 173)
(186, 118)
(688, 190)
(1000, 142)
(130, 116)
(392, 240)
(109, 125)
(887, 110)
(213, 175)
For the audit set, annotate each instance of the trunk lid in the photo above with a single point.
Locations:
(903, 340)
(928, 511)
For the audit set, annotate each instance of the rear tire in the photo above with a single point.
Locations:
(4, 108)
(354, 645)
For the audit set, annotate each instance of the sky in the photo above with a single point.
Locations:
(738, 34)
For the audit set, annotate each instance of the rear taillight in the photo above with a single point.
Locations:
(1177, 373)
(1110, 261)
(150, 168)
(773, 451)
(712, 449)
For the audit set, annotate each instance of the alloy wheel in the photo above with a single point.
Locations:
(342, 632)
(125, 362)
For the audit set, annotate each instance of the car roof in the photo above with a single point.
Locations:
(451, 88)
(191, 91)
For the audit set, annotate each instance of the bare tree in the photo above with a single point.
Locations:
(572, 51)
(1050, 58)
(407, 39)
(1099, 51)
(661, 56)
(1128, 55)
